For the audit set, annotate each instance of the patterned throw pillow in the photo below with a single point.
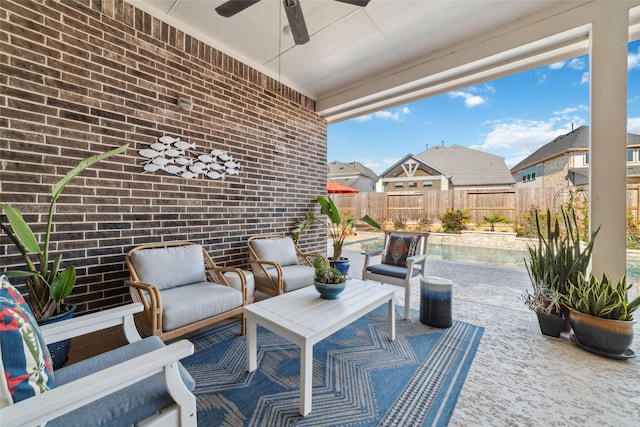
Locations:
(400, 248)
(27, 366)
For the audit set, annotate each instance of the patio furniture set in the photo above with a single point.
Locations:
(177, 288)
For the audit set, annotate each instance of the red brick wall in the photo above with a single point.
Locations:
(80, 77)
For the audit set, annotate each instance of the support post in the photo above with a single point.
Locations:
(608, 142)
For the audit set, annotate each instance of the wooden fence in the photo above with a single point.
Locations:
(431, 204)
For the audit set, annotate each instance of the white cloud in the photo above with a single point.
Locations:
(470, 100)
(396, 115)
(519, 138)
(576, 64)
(633, 60)
(570, 110)
(633, 125)
(557, 65)
(585, 78)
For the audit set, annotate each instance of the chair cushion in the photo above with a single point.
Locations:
(170, 267)
(400, 248)
(280, 250)
(187, 304)
(27, 369)
(294, 276)
(392, 270)
(126, 406)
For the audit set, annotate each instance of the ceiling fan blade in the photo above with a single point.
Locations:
(361, 3)
(296, 21)
(232, 7)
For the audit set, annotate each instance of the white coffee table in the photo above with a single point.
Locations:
(304, 318)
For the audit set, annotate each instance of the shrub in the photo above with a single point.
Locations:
(494, 219)
(424, 223)
(400, 224)
(454, 220)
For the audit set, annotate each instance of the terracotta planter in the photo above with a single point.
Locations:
(604, 335)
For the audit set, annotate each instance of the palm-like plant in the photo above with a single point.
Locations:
(338, 226)
(47, 285)
(493, 219)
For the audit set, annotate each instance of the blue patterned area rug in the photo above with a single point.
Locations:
(360, 378)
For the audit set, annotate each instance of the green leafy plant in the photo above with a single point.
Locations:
(601, 298)
(454, 220)
(544, 300)
(559, 256)
(46, 283)
(325, 274)
(493, 219)
(337, 226)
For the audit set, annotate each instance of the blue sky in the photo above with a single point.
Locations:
(510, 117)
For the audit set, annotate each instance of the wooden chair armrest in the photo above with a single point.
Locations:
(82, 325)
(218, 271)
(39, 409)
(264, 262)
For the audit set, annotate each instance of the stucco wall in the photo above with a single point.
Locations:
(80, 77)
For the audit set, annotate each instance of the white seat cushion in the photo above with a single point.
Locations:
(187, 304)
(294, 276)
(170, 267)
(279, 250)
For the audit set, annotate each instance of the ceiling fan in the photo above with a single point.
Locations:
(291, 7)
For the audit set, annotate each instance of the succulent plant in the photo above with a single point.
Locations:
(324, 273)
(601, 298)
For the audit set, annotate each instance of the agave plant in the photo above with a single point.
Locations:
(601, 298)
(560, 256)
(338, 226)
(46, 283)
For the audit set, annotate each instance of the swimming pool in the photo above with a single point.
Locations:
(511, 258)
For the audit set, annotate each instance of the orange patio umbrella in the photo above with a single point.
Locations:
(337, 188)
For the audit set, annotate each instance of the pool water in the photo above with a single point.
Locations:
(512, 258)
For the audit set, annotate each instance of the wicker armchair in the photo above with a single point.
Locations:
(182, 289)
(278, 265)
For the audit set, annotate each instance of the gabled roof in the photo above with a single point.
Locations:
(577, 139)
(337, 168)
(467, 166)
(418, 160)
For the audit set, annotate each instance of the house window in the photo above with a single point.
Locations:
(413, 185)
(529, 174)
(586, 158)
(399, 185)
(427, 184)
(630, 155)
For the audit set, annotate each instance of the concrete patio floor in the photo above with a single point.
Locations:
(520, 377)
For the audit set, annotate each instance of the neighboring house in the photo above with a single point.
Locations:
(447, 168)
(565, 161)
(354, 175)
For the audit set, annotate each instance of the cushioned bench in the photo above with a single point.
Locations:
(182, 289)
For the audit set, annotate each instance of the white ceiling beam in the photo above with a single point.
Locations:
(536, 41)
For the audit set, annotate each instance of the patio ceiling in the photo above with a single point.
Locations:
(390, 52)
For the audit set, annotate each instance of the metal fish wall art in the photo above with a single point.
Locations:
(175, 156)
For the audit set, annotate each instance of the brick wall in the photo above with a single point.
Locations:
(80, 77)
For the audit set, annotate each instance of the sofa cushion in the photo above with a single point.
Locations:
(170, 267)
(392, 270)
(294, 276)
(27, 369)
(187, 304)
(280, 250)
(126, 406)
(400, 248)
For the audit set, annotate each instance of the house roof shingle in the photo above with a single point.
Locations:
(337, 168)
(576, 139)
(467, 166)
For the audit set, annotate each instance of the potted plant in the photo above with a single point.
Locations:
(338, 226)
(47, 282)
(329, 281)
(559, 255)
(601, 314)
(546, 304)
